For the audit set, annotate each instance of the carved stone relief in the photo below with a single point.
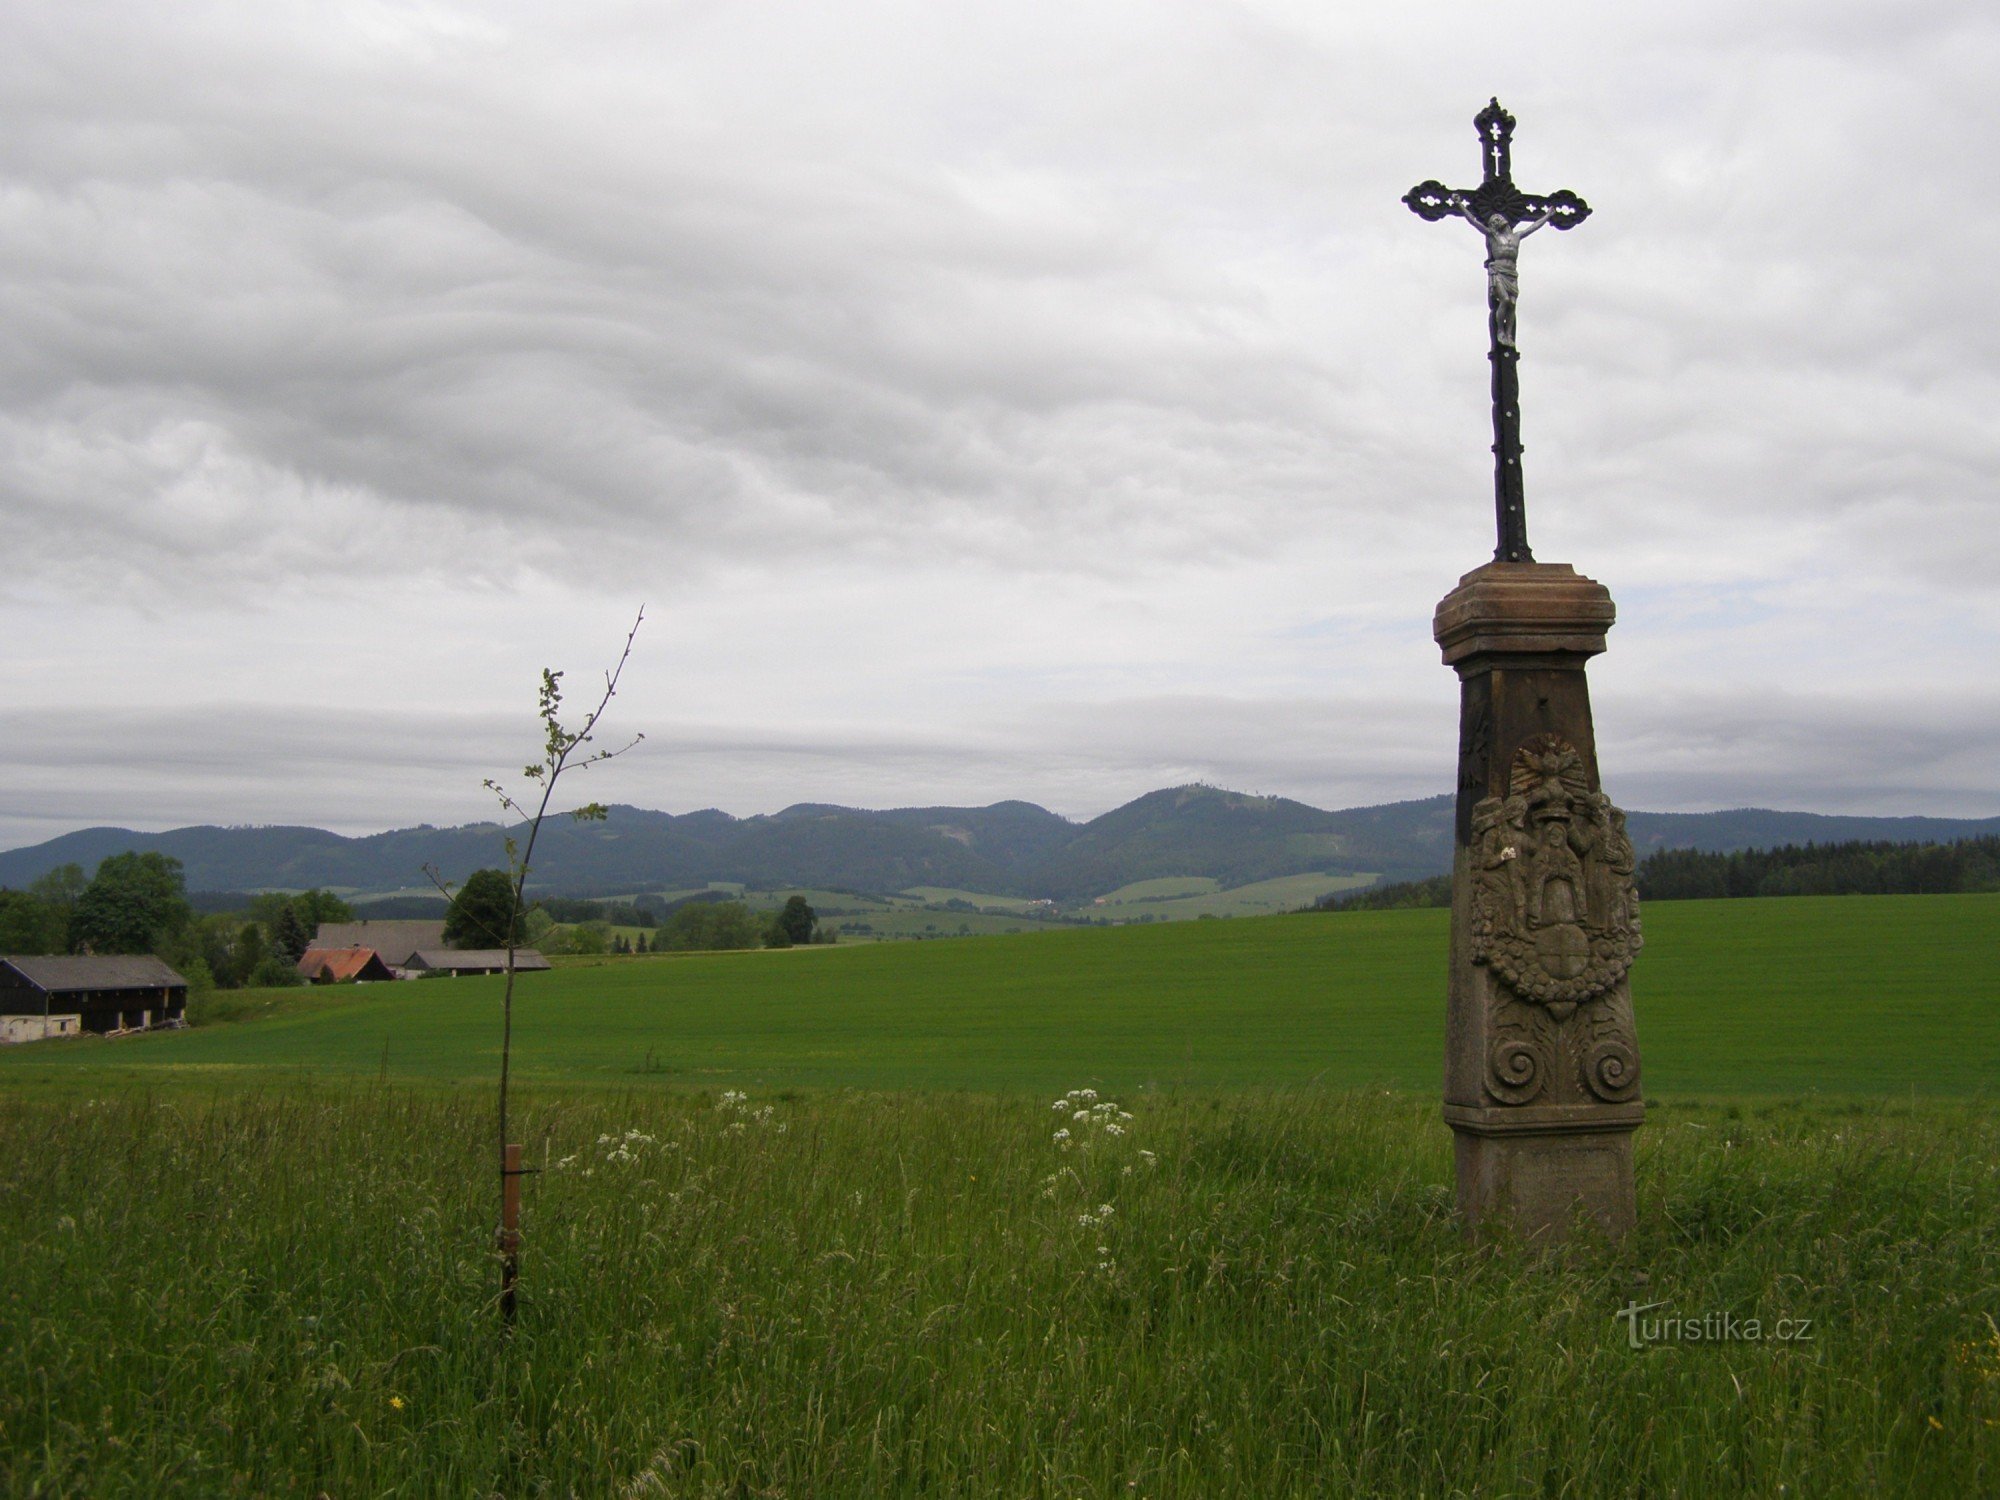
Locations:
(1555, 921)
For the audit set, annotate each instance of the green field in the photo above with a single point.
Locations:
(1838, 995)
(255, 1258)
(1180, 898)
(925, 922)
(938, 895)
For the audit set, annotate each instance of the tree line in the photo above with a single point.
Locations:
(698, 927)
(563, 925)
(1398, 896)
(1858, 867)
(138, 903)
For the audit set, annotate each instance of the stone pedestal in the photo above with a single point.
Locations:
(1541, 1078)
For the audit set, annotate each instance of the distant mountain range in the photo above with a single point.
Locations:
(1010, 848)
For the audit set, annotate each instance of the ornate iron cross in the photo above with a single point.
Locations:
(1506, 216)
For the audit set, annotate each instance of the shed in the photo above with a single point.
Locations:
(343, 966)
(108, 992)
(475, 961)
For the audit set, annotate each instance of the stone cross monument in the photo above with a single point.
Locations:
(1541, 1080)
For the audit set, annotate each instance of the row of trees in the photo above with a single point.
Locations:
(137, 903)
(714, 925)
(133, 903)
(699, 927)
(1857, 868)
(479, 914)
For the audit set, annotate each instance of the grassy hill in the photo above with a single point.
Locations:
(1840, 995)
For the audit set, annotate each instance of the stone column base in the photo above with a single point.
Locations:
(1541, 1173)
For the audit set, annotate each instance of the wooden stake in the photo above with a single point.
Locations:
(510, 1229)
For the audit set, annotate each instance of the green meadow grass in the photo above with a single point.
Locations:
(1837, 995)
(290, 1293)
(1165, 888)
(254, 1258)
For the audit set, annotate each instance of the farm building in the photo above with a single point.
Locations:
(343, 966)
(395, 941)
(104, 993)
(474, 961)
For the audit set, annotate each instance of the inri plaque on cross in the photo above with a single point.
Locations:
(1506, 216)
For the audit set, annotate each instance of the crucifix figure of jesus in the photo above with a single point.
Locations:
(1505, 215)
(1503, 265)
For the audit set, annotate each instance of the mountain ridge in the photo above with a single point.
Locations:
(1010, 847)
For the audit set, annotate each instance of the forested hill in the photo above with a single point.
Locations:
(1009, 848)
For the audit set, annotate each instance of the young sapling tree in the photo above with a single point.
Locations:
(563, 750)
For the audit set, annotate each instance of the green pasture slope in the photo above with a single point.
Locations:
(1836, 995)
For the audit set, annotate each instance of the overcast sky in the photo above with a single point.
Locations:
(1050, 401)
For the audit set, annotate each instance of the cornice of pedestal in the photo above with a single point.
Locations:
(1523, 609)
(1544, 1119)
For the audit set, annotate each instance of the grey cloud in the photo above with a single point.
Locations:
(457, 299)
(1104, 354)
(1885, 753)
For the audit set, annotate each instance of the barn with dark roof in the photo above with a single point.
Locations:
(108, 992)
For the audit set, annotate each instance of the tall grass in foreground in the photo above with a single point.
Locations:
(912, 1293)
